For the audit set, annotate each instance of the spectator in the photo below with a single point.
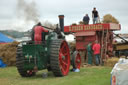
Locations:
(95, 16)
(89, 53)
(96, 49)
(86, 19)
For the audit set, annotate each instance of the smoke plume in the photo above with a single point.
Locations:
(28, 11)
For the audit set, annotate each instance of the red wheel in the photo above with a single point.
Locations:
(60, 57)
(76, 60)
(64, 58)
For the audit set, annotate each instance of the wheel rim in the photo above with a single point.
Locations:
(78, 61)
(64, 58)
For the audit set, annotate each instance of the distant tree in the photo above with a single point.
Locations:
(81, 22)
(74, 24)
(108, 18)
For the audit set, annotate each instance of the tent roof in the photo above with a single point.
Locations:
(5, 39)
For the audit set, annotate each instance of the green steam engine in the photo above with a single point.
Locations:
(52, 54)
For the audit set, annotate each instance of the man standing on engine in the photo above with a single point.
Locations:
(95, 16)
(86, 19)
(38, 30)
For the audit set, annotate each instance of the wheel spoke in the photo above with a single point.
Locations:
(66, 53)
(62, 48)
(60, 55)
(62, 69)
(64, 63)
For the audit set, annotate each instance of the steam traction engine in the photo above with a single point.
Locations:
(89, 33)
(53, 54)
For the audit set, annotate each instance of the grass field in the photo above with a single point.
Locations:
(87, 76)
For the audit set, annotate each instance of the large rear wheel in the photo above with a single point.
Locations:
(60, 57)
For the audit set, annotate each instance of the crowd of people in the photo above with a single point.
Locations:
(93, 49)
(95, 17)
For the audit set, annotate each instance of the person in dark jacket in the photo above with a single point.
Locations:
(86, 19)
(89, 53)
(95, 16)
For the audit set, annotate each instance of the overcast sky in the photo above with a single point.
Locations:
(74, 10)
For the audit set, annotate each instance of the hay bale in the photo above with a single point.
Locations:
(8, 53)
(111, 61)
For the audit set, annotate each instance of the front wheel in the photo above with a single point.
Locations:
(76, 60)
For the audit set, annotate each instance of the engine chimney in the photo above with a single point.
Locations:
(61, 21)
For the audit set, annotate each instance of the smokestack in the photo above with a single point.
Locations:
(61, 21)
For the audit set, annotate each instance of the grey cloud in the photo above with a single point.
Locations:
(73, 10)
